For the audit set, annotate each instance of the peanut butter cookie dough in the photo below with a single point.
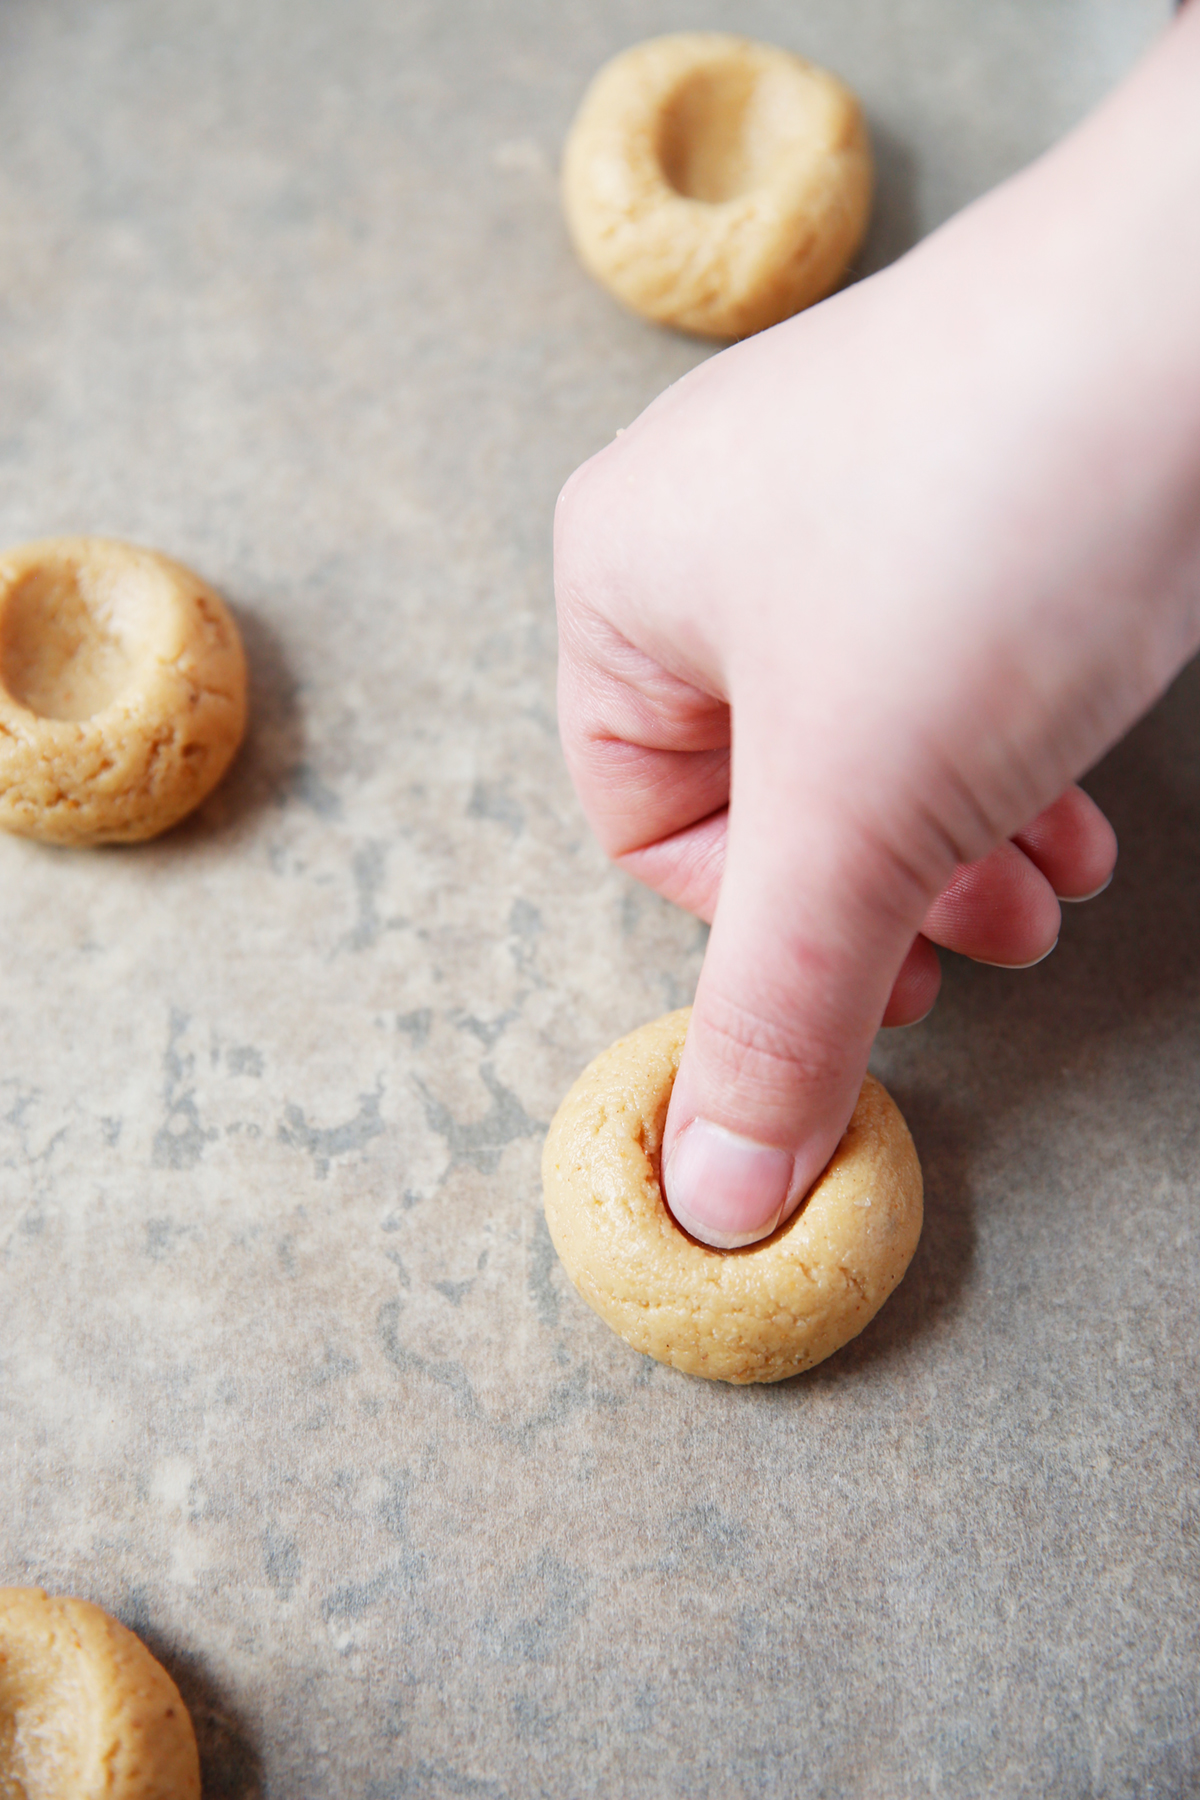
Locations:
(122, 691)
(757, 1314)
(716, 184)
(85, 1711)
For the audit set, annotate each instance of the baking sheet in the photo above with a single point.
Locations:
(290, 1378)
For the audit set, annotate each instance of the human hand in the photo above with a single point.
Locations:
(846, 612)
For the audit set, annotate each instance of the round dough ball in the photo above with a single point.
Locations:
(761, 1313)
(122, 691)
(85, 1711)
(716, 184)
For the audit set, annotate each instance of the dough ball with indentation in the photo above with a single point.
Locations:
(717, 184)
(86, 1713)
(758, 1314)
(122, 691)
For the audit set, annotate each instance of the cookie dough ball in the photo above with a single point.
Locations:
(122, 691)
(756, 1314)
(85, 1711)
(716, 184)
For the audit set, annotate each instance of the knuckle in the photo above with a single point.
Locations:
(771, 1052)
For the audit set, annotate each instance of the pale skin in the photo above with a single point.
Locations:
(847, 612)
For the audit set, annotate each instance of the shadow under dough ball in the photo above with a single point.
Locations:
(85, 1711)
(716, 184)
(761, 1313)
(122, 691)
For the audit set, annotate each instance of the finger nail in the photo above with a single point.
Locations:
(1079, 899)
(1015, 968)
(725, 1189)
(907, 1024)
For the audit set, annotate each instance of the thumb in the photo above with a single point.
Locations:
(813, 926)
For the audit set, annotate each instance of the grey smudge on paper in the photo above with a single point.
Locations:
(542, 1259)
(307, 786)
(434, 1781)
(642, 1710)
(676, 993)
(393, 1508)
(533, 1721)
(570, 1396)
(450, 1375)
(332, 1368)
(704, 1536)
(480, 1142)
(367, 866)
(492, 800)
(23, 1099)
(324, 1143)
(358, 1597)
(415, 1024)
(525, 921)
(525, 927)
(560, 1594)
(282, 1562)
(180, 1139)
(454, 1291)
(160, 1238)
(244, 1059)
(487, 1030)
